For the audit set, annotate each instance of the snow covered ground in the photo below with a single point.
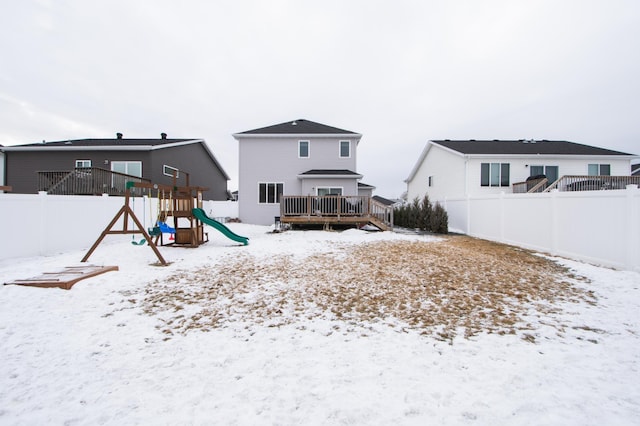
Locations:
(97, 355)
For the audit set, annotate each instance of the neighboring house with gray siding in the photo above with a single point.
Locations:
(298, 157)
(2, 177)
(152, 159)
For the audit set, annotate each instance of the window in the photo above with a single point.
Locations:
(551, 172)
(599, 169)
(430, 180)
(170, 171)
(269, 193)
(83, 163)
(345, 149)
(303, 149)
(494, 174)
(133, 168)
(536, 170)
(323, 192)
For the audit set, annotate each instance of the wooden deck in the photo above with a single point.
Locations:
(335, 210)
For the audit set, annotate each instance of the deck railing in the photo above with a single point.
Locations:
(593, 183)
(533, 185)
(576, 183)
(85, 181)
(335, 206)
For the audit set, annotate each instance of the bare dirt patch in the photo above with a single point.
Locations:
(458, 285)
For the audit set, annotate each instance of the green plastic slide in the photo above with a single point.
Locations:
(202, 217)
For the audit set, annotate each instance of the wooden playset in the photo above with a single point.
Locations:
(176, 202)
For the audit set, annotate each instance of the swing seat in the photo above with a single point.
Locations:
(138, 243)
(155, 231)
(166, 229)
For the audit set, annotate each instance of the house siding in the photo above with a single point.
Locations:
(310, 186)
(519, 170)
(275, 159)
(2, 168)
(443, 166)
(457, 175)
(22, 166)
(194, 160)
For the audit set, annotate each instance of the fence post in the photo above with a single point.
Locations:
(468, 202)
(632, 235)
(502, 215)
(42, 237)
(554, 222)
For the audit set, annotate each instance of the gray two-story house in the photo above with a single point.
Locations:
(299, 158)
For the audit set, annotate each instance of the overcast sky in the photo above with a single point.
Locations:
(399, 72)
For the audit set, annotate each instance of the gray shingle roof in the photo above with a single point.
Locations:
(107, 142)
(298, 127)
(383, 200)
(523, 146)
(330, 172)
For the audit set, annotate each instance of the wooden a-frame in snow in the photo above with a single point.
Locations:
(125, 212)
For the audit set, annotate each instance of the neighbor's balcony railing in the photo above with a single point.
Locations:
(593, 183)
(335, 206)
(85, 181)
(576, 183)
(531, 185)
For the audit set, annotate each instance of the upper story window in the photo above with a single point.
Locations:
(599, 169)
(345, 149)
(303, 149)
(170, 171)
(494, 174)
(83, 163)
(430, 181)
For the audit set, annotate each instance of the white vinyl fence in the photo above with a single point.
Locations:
(599, 227)
(41, 224)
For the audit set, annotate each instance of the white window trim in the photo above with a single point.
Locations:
(83, 161)
(500, 175)
(340, 148)
(599, 166)
(128, 162)
(341, 188)
(308, 148)
(267, 203)
(171, 169)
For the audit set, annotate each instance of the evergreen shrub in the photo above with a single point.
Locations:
(421, 214)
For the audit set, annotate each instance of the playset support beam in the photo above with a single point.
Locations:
(125, 211)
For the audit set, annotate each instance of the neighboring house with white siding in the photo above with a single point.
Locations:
(455, 168)
(299, 158)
